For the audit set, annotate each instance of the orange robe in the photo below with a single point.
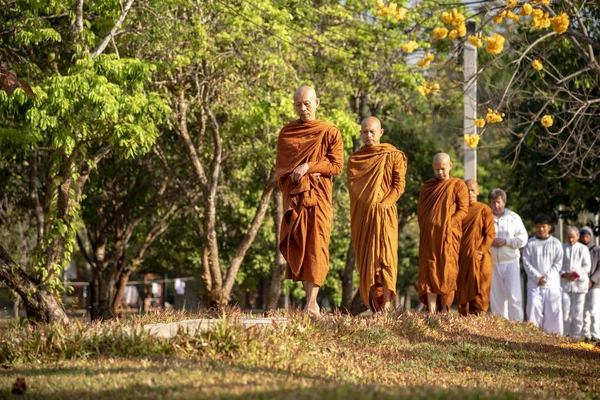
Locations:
(376, 178)
(442, 206)
(307, 205)
(475, 274)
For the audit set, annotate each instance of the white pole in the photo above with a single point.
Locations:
(470, 102)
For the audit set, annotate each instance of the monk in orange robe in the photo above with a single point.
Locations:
(475, 260)
(376, 178)
(309, 153)
(443, 203)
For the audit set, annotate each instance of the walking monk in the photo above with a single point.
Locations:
(443, 203)
(376, 177)
(475, 263)
(309, 153)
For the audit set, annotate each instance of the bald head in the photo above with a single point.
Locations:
(473, 190)
(371, 131)
(306, 103)
(442, 166)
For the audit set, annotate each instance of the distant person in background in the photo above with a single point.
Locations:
(475, 259)
(542, 260)
(574, 281)
(591, 321)
(506, 299)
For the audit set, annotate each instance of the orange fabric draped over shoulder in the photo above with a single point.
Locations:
(307, 205)
(475, 274)
(442, 206)
(376, 178)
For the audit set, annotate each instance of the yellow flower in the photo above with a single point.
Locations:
(457, 19)
(537, 65)
(462, 30)
(475, 41)
(500, 17)
(544, 2)
(560, 23)
(422, 90)
(526, 9)
(447, 18)
(399, 13)
(428, 88)
(440, 33)
(410, 46)
(510, 4)
(541, 20)
(513, 16)
(547, 121)
(471, 141)
(493, 116)
(452, 34)
(495, 44)
(426, 60)
(479, 122)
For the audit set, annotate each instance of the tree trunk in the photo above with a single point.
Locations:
(120, 285)
(101, 289)
(357, 306)
(40, 305)
(274, 290)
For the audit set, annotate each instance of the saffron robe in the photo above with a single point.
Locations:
(376, 178)
(307, 204)
(475, 273)
(440, 211)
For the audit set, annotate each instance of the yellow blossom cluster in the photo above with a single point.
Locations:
(541, 19)
(479, 122)
(547, 121)
(440, 33)
(537, 65)
(410, 46)
(471, 140)
(560, 23)
(457, 20)
(526, 10)
(499, 17)
(495, 44)
(475, 41)
(510, 4)
(540, 2)
(426, 60)
(392, 10)
(428, 88)
(493, 116)
(511, 15)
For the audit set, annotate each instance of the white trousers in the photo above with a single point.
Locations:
(591, 320)
(506, 299)
(544, 308)
(573, 305)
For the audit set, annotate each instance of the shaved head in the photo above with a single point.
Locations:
(371, 131)
(442, 166)
(306, 103)
(473, 190)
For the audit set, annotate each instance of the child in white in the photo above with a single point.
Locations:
(542, 261)
(574, 282)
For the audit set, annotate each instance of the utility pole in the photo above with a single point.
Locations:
(470, 102)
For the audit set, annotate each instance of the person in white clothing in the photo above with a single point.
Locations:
(542, 261)
(574, 282)
(506, 299)
(591, 321)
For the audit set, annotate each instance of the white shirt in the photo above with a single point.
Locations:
(510, 228)
(543, 258)
(576, 259)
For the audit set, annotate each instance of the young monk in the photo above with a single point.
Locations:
(574, 282)
(475, 260)
(309, 153)
(376, 178)
(542, 261)
(443, 203)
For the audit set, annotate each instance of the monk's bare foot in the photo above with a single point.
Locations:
(313, 312)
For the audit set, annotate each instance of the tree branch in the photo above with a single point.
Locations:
(115, 28)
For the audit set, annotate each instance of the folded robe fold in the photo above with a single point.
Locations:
(475, 273)
(307, 204)
(376, 178)
(441, 208)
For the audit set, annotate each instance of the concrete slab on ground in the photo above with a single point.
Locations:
(197, 325)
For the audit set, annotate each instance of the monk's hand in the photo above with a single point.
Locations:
(569, 276)
(542, 281)
(590, 284)
(498, 242)
(299, 172)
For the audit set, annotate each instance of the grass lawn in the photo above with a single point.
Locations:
(411, 355)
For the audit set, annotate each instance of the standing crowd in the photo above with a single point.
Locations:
(467, 249)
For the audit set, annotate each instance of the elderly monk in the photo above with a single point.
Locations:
(376, 178)
(309, 153)
(475, 260)
(443, 203)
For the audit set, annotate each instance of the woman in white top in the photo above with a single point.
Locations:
(574, 282)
